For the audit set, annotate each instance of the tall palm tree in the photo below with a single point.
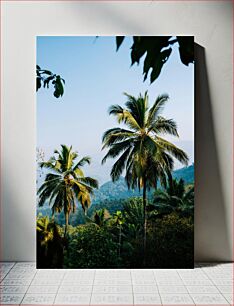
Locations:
(66, 184)
(141, 150)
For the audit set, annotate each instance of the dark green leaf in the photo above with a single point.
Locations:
(47, 80)
(139, 48)
(58, 86)
(158, 64)
(119, 40)
(47, 72)
(38, 83)
(186, 49)
(157, 52)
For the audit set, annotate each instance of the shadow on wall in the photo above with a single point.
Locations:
(211, 232)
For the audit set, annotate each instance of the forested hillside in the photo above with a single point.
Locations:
(119, 189)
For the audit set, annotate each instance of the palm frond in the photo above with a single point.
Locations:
(59, 202)
(82, 162)
(137, 107)
(125, 116)
(118, 148)
(179, 154)
(51, 165)
(119, 165)
(115, 135)
(88, 181)
(157, 108)
(164, 126)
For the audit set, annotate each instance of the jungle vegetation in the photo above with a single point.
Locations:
(138, 232)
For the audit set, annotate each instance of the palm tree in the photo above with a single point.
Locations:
(66, 184)
(134, 218)
(45, 231)
(175, 197)
(100, 217)
(49, 243)
(141, 150)
(118, 220)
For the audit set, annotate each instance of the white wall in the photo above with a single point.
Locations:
(210, 22)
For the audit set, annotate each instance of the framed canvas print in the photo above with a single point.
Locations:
(115, 152)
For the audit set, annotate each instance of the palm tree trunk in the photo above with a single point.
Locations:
(66, 224)
(120, 233)
(145, 223)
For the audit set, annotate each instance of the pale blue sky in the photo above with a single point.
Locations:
(96, 77)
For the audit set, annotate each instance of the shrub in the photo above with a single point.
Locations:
(91, 246)
(170, 242)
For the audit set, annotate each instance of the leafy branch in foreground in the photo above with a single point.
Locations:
(157, 50)
(45, 77)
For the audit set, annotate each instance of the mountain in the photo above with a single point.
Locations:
(112, 196)
(115, 191)
(186, 173)
(119, 189)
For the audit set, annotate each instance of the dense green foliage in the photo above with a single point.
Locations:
(175, 197)
(115, 240)
(171, 242)
(91, 246)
